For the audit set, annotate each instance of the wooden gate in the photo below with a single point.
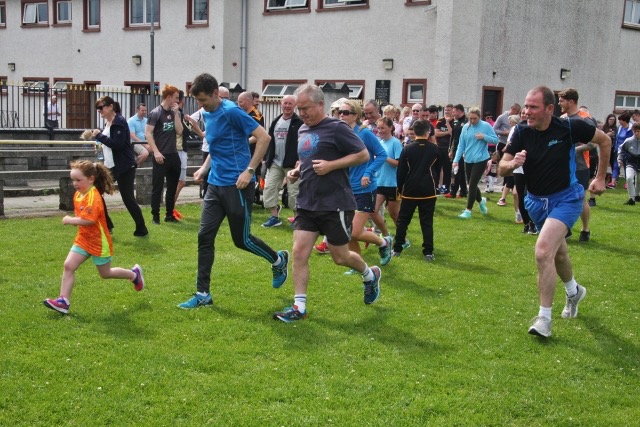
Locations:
(80, 100)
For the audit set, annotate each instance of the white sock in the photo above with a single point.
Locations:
(300, 302)
(278, 261)
(545, 312)
(367, 274)
(571, 287)
(384, 243)
(202, 294)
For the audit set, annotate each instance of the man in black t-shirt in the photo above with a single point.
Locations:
(545, 148)
(327, 147)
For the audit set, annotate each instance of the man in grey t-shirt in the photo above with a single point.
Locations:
(327, 147)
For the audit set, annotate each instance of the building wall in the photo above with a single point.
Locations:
(456, 46)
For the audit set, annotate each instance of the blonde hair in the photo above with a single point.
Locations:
(475, 110)
(389, 107)
(515, 118)
(355, 108)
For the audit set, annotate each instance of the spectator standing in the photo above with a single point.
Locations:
(629, 159)
(459, 178)
(53, 113)
(163, 127)
(137, 126)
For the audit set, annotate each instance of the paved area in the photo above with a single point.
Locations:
(41, 205)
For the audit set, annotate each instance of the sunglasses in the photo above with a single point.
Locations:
(345, 112)
(100, 107)
(415, 111)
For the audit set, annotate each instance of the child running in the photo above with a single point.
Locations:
(90, 180)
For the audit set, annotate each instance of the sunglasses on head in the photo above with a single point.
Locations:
(345, 112)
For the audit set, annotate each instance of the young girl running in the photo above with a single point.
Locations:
(93, 240)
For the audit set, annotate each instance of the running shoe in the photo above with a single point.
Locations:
(372, 288)
(280, 272)
(540, 326)
(57, 304)
(322, 248)
(197, 301)
(385, 251)
(273, 221)
(571, 306)
(138, 282)
(465, 214)
(483, 206)
(290, 314)
(502, 202)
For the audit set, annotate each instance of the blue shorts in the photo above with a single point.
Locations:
(97, 260)
(366, 202)
(565, 206)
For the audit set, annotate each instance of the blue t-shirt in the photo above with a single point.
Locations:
(387, 175)
(228, 129)
(377, 157)
(137, 126)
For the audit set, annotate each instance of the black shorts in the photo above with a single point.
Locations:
(583, 178)
(390, 193)
(366, 202)
(509, 182)
(336, 225)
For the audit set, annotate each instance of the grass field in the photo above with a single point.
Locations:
(446, 343)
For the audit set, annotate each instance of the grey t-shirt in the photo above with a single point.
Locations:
(280, 133)
(164, 130)
(330, 139)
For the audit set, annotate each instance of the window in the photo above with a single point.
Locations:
(632, 14)
(417, 2)
(91, 15)
(286, 5)
(35, 14)
(3, 14)
(62, 12)
(340, 4)
(198, 13)
(414, 91)
(356, 87)
(139, 13)
(280, 88)
(627, 101)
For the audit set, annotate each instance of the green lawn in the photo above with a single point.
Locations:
(446, 343)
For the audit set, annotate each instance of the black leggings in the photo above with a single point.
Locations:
(521, 189)
(474, 173)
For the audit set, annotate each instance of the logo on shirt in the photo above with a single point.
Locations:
(554, 142)
(307, 145)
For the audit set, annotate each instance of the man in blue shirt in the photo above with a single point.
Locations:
(230, 169)
(137, 124)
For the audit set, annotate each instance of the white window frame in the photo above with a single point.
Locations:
(285, 89)
(631, 10)
(288, 4)
(194, 18)
(68, 4)
(3, 14)
(343, 3)
(629, 102)
(412, 100)
(32, 13)
(144, 22)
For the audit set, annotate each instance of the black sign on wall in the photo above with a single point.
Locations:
(383, 91)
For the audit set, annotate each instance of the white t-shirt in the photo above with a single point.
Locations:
(106, 151)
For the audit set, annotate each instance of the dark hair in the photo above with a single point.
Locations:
(420, 127)
(107, 100)
(635, 126)
(459, 107)
(606, 127)
(180, 95)
(255, 95)
(548, 98)
(625, 117)
(142, 104)
(432, 108)
(387, 121)
(204, 83)
(103, 180)
(570, 94)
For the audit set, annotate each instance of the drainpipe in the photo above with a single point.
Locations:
(243, 47)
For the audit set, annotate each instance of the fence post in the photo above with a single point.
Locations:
(144, 185)
(66, 194)
(1, 198)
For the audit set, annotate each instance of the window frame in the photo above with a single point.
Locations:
(145, 25)
(623, 93)
(56, 19)
(270, 10)
(628, 24)
(323, 7)
(417, 3)
(361, 83)
(25, 4)
(3, 14)
(283, 91)
(86, 16)
(191, 21)
(405, 91)
(28, 84)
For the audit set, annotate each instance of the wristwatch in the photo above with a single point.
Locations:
(251, 170)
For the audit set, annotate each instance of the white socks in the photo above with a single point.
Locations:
(545, 312)
(571, 287)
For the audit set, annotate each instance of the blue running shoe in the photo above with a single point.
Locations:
(483, 206)
(289, 314)
(385, 251)
(406, 244)
(197, 301)
(280, 272)
(372, 288)
(465, 214)
(273, 221)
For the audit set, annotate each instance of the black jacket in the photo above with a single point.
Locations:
(120, 143)
(291, 145)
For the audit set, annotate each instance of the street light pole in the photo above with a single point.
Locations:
(152, 85)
